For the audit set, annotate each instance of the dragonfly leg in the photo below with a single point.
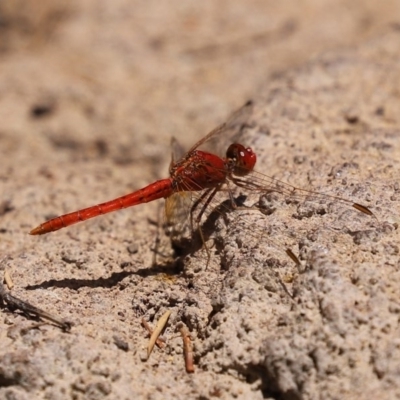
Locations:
(232, 200)
(195, 205)
(208, 195)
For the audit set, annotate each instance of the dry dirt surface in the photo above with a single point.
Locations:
(91, 93)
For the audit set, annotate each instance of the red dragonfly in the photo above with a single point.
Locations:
(202, 172)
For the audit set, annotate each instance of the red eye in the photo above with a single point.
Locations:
(244, 158)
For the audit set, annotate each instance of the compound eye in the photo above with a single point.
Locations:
(243, 158)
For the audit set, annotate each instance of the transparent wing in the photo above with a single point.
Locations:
(179, 205)
(227, 132)
(263, 184)
(177, 151)
(177, 209)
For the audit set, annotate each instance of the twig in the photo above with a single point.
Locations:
(157, 331)
(187, 349)
(14, 303)
(159, 342)
(8, 280)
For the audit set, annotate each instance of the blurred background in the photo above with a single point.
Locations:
(117, 79)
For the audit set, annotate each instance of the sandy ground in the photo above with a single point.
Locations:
(91, 93)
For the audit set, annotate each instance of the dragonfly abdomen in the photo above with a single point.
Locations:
(154, 191)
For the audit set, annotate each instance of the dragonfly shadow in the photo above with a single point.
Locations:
(109, 282)
(75, 284)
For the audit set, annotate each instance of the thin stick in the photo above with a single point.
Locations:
(187, 349)
(159, 342)
(157, 331)
(14, 303)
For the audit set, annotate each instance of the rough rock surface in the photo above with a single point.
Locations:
(91, 94)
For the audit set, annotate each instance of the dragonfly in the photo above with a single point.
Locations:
(206, 174)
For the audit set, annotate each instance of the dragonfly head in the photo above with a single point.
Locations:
(241, 158)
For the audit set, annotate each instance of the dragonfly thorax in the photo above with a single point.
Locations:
(241, 159)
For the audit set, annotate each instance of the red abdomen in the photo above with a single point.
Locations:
(157, 190)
